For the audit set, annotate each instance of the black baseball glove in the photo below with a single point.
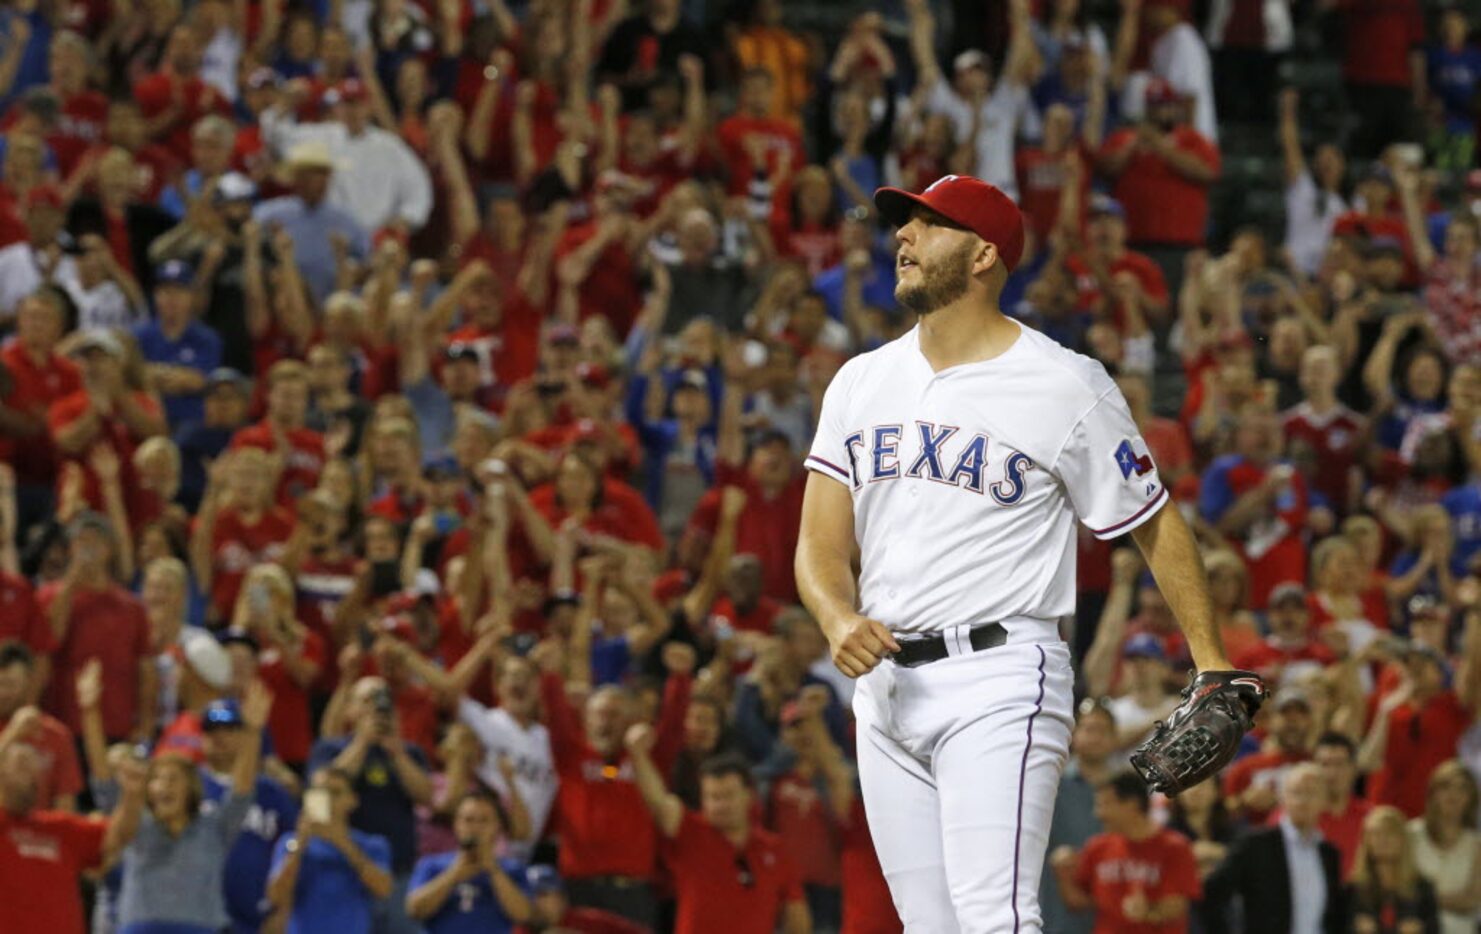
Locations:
(1202, 734)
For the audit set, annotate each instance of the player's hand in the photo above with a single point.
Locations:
(858, 643)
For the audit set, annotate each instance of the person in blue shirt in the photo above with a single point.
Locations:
(327, 876)
(225, 408)
(389, 778)
(865, 260)
(470, 890)
(179, 352)
(312, 222)
(274, 810)
(1453, 70)
(211, 143)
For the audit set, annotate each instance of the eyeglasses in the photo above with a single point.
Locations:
(743, 873)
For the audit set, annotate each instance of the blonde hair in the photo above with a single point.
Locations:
(1364, 873)
(1450, 770)
(1222, 559)
(170, 567)
(287, 370)
(160, 446)
(1322, 554)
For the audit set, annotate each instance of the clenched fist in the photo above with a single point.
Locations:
(858, 643)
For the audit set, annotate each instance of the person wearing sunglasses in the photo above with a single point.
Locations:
(728, 875)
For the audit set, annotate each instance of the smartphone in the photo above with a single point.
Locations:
(385, 579)
(316, 805)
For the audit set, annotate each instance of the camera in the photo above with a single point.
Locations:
(382, 703)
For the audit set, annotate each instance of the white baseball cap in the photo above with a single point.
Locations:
(207, 658)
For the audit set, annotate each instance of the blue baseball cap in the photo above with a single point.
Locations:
(1144, 645)
(174, 272)
(1104, 205)
(540, 879)
(222, 713)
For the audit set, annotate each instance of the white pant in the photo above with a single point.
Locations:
(959, 761)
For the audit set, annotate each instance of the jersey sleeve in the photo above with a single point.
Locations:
(829, 454)
(1108, 472)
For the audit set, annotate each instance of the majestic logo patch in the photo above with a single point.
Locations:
(1131, 462)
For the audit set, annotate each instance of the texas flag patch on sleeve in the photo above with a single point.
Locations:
(1133, 459)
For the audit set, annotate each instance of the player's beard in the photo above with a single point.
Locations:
(941, 283)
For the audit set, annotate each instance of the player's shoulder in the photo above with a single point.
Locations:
(1069, 372)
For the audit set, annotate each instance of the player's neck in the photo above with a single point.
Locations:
(964, 333)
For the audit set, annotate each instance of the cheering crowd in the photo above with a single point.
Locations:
(402, 413)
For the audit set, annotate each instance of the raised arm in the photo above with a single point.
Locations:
(1290, 134)
(256, 705)
(1100, 658)
(666, 808)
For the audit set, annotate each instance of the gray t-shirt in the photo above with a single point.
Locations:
(178, 879)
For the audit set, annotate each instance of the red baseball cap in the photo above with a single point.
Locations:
(353, 90)
(966, 201)
(1161, 91)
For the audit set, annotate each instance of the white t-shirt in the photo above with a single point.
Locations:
(1180, 56)
(528, 749)
(103, 306)
(21, 274)
(1309, 221)
(219, 62)
(967, 483)
(1007, 110)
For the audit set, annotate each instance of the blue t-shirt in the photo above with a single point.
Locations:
(199, 445)
(385, 808)
(274, 813)
(1454, 77)
(198, 347)
(472, 908)
(609, 659)
(1464, 505)
(878, 286)
(329, 895)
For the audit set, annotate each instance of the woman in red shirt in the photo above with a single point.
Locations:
(805, 221)
(1337, 590)
(289, 658)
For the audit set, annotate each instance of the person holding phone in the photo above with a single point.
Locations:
(470, 889)
(388, 776)
(328, 876)
(289, 660)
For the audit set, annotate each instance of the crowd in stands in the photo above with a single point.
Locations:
(402, 410)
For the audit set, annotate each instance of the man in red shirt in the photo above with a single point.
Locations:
(1382, 59)
(754, 144)
(1105, 258)
(1162, 170)
(768, 473)
(39, 376)
(1415, 730)
(1333, 431)
(1291, 650)
(92, 617)
(1137, 877)
(44, 853)
(1259, 503)
(728, 875)
(1044, 171)
(609, 848)
(1252, 784)
(59, 777)
(83, 112)
(174, 98)
(105, 412)
(300, 450)
(1342, 819)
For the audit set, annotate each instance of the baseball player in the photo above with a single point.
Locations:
(957, 459)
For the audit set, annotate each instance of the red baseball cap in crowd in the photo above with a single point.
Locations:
(353, 90)
(1161, 91)
(968, 202)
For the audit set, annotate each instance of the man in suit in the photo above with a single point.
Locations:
(1285, 875)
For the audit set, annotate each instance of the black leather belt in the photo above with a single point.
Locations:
(922, 650)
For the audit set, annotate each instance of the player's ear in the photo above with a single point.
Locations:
(987, 257)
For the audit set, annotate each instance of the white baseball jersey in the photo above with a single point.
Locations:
(966, 483)
(528, 749)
